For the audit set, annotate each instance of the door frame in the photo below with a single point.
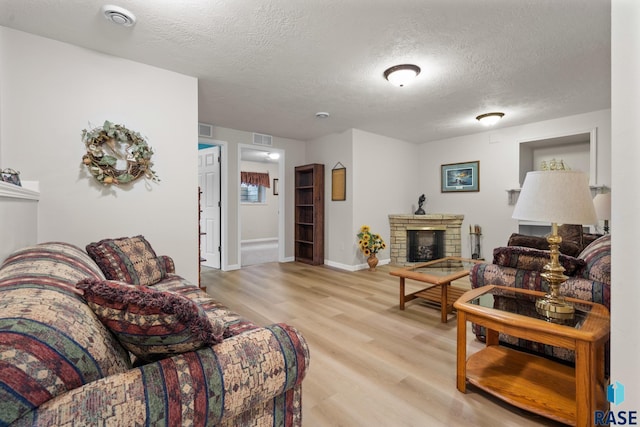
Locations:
(281, 198)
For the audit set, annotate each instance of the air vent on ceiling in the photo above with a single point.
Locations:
(205, 130)
(118, 15)
(261, 139)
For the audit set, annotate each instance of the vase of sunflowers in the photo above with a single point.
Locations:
(370, 244)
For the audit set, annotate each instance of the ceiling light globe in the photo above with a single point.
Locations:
(489, 119)
(402, 75)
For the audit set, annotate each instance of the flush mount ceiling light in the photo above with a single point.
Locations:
(401, 75)
(489, 119)
(322, 115)
(118, 15)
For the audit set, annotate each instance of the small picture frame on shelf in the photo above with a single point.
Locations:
(460, 177)
(11, 176)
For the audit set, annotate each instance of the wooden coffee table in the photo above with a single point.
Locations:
(439, 274)
(564, 393)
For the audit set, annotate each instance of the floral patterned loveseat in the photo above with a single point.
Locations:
(79, 350)
(521, 267)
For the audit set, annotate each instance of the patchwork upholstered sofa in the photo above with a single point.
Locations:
(77, 349)
(520, 267)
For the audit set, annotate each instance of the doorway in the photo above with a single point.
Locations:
(260, 224)
(209, 182)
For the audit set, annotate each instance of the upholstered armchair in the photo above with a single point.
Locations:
(520, 267)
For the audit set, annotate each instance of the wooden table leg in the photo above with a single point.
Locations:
(444, 302)
(586, 383)
(461, 354)
(492, 337)
(402, 293)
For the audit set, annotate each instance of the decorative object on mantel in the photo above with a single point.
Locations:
(370, 244)
(421, 201)
(339, 182)
(554, 165)
(11, 176)
(475, 233)
(459, 177)
(110, 143)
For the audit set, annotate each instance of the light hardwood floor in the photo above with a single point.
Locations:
(371, 364)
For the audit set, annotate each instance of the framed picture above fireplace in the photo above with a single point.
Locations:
(460, 177)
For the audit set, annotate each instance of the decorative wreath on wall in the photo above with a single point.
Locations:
(117, 155)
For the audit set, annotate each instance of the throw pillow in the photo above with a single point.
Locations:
(150, 324)
(533, 259)
(128, 259)
(567, 248)
(571, 233)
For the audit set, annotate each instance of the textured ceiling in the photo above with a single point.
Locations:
(268, 66)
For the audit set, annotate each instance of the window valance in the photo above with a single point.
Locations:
(255, 178)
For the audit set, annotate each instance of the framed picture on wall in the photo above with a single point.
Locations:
(460, 177)
(339, 182)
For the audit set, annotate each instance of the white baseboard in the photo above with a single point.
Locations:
(231, 267)
(340, 265)
(258, 241)
(354, 267)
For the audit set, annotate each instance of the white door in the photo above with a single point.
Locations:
(209, 182)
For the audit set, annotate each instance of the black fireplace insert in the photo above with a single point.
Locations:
(425, 244)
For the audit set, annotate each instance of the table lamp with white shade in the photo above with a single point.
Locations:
(556, 197)
(602, 203)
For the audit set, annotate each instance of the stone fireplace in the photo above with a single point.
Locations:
(418, 238)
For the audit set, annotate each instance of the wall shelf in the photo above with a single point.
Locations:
(28, 191)
(512, 195)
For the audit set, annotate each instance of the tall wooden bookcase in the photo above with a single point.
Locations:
(309, 199)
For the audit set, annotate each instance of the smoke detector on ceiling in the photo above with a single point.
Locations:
(118, 15)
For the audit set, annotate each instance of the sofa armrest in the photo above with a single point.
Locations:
(204, 387)
(167, 261)
(493, 274)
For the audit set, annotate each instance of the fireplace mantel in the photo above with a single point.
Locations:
(401, 222)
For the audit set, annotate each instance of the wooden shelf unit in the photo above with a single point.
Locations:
(309, 214)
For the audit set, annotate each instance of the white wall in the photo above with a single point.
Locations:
(625, 136)
(386, 181)
(50, 92)
(260, 220)
(19, 213)
(381, 180)
(498, 153)
(338, 227)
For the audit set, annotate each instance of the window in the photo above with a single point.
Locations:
(250, 193)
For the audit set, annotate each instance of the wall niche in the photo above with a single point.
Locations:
(577, 151)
